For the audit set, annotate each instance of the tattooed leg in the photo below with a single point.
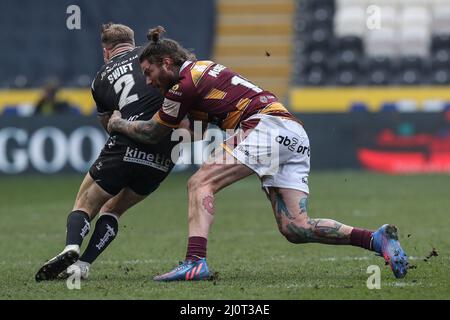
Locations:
(290, 209)
(202, 187)
(208, 203)
(201, 211)
(282, 209)
(319, 230)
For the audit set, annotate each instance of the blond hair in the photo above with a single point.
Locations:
(114, 34)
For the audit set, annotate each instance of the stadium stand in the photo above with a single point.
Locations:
(335, 42)
(364, 46)
(41, 47)
(73, 56)
(254, 37)
(372, 43)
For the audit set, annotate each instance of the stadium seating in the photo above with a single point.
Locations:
(342, 42)
(40, 46)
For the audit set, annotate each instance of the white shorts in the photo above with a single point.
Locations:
(277, 150)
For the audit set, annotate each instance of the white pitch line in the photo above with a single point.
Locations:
(333, 286)
(151, 261)
(157, 261)
(106, 262)
(354, 258)
(332, 259)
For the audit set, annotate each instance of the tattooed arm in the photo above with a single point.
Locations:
(149, 131)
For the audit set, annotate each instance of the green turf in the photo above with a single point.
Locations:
(252, 260)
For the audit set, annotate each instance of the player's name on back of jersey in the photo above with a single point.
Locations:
(214, 72)
(157, 161)
(117, 69)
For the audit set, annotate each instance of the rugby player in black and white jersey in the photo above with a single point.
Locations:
(125, 172)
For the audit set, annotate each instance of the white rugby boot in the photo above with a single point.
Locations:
(53, 267)
(80, 267)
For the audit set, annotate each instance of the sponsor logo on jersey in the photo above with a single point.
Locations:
(174, 90)
(253, 159)
(112, 67)
(135, 117)
(291, 143)
(157, 161)
(99, 165)
(111, 142)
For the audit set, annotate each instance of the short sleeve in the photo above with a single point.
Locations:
(101, 108)
(177, 103)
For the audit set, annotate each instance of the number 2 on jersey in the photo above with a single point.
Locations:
(125, 83)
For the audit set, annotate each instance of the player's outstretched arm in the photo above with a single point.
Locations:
(149, 131)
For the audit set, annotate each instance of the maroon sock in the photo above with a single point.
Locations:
(196, 248)
(361, 238)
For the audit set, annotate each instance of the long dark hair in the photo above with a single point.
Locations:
(159, 48)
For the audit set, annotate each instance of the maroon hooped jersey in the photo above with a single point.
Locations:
(210, 92)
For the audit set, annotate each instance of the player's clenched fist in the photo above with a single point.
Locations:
(113, 122)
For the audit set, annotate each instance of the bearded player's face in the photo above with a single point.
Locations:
(160, 76)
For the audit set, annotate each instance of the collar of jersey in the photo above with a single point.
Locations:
(120, 54)
(185, 64)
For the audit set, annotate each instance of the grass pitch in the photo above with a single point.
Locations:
(250, 258)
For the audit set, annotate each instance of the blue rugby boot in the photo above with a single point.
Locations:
(385, 243)
(187, 270)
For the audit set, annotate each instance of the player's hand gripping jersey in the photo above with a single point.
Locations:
(211, 92)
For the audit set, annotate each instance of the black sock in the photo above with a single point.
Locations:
(105, 231)
(77, 227)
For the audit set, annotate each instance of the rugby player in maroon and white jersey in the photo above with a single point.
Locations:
(212, 93)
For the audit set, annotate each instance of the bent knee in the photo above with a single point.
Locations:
(294, 238)
(199, 184)
(196, 182)
(117, 211)
(193, 183)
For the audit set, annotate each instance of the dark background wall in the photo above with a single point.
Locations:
(336, 137)
(37, 45)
